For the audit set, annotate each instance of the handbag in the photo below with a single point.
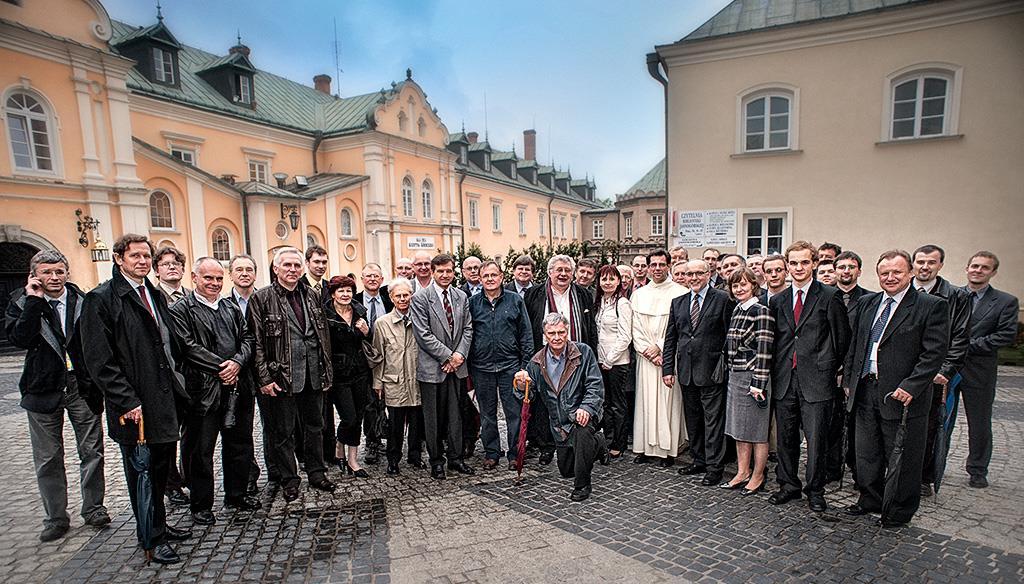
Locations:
(380, 425)
(718, 374)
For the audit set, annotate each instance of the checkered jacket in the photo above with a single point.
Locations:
(749, 342)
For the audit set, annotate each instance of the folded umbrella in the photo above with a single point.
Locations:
(143, 486)
(947, 415)
(524, 418)
(894, 466)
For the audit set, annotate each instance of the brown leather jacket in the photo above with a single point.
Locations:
(271, 350)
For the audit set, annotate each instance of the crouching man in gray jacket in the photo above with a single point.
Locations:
(566, 376)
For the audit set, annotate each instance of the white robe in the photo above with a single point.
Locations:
(658, 418)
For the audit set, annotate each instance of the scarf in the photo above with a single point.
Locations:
(574, 317)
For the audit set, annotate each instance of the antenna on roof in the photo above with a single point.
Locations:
(337, 58)
(238, 37)
(159, 13)
(486, 137)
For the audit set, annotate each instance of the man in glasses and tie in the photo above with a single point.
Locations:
(377, 302)
(170, 271)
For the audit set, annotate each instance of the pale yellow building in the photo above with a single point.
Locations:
(874, 124)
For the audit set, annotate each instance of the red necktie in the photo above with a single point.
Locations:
(796, 316)
(145, 301)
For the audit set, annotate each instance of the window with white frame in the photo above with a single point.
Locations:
(244, 85)
(29, 130)
(513, 172)
(522, 221)
(160, 214)
(346, 222)
(496, 217)
(184, 154)
(627, 225)
(561, 225)
(598, 228)
(407, 202)
(574, 227)
(766, 122)
(764, 234)
(163, 66)
(474, 214)
(258, 171)
(220, 245)
(657, 225)
(542, 221)
(487, 161)
(463, 154)
(920, 105)
(428, 200)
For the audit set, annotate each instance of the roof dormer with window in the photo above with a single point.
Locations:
(155, 52)
(233, 76)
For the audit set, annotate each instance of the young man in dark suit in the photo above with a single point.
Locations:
(812, 331)
(848, 267)
(993, 325)
(900, 338)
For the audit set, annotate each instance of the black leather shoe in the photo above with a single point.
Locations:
(735, 486)
(252, 488)
(783, 497)
(177, 497)
(437, 472)
(322, 484)
(99, 518)
(890, 524)
(392, 469)
(605, 458)
(54, 532)
(926, 490)
(817, 503)
(641, 459)
(546, 458)
(203, 518)
(512, 467)
(667, 462)
(855, 510)
(581, 494)
(978, 482)
(372, 453)
(417, 464)
(291, 492)
(461, 468)
(693, 469)
(175, 534)
(244, 503)
(711, 479)
(164, 554)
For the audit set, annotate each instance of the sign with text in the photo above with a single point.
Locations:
(707, 227)
(421, 242)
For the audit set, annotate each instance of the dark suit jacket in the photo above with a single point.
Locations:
(993, 326)
(511, 287)
(693, 354)
(465, 288)
(536, 304)
(385, 299)
(910, 352)
(855, 294)
(959, 325)
(820, 341)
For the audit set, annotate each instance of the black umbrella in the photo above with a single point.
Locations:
(143, 486)
(947, 414)
(892, 470)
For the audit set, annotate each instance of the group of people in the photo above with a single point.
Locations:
(724, 354)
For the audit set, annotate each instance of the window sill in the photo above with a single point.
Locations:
(471, 228)
(764, 153)
(496, 232)
(945, 138)
(167, 230)
(348, 238)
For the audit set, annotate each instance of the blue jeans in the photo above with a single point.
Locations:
(488, 387)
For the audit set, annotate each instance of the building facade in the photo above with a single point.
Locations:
(874, 125)
(637, 221)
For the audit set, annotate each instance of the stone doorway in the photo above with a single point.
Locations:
(14, 261)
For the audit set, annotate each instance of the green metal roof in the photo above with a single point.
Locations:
(479, 146)
(279, 101)
(324, 183)
(498, 155)
(233, 59)
(652, 182)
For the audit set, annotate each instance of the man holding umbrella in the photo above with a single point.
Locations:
(132, 354)
(900, 338)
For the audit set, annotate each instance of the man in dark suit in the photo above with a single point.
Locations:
(377, 302)
(44, 319)
(774, 268)
(710, 257)
(812, 331)
(928, 260)
(848, 266)
(522, 275)
(993, 325)
(471, 274)
(694, 344)
(900, 338)
(557, 294)
(132, 354)
(316, 269)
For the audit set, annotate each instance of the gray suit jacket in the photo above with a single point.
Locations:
(435, 340)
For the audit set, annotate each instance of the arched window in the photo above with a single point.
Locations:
(403, 122)
(407, 202)
(921, 105)
(29, 131)
(421, 127)
(766, 122)
(311, 240)
(220, 245)
(428, 200)
(346, 223)
(160, 215)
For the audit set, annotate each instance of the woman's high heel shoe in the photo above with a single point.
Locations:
(754, 491)
(361, 473)
(738, 485)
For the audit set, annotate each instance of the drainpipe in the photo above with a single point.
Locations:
(245, 223)
(551, 223)
(462, 212)
(655, 67)
(318, 138)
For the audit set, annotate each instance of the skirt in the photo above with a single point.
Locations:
(744, 420)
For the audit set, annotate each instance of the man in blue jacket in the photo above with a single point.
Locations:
(566, 377)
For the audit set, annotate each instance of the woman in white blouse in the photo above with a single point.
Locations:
(614, 335)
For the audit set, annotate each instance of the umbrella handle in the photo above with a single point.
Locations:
(142, 431)
(526, 391)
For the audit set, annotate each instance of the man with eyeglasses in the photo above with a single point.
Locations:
(848, 266)
(774, 268)
(639, 264)
(242, 271)
(422, 273)
(471, 273)
(377, 302)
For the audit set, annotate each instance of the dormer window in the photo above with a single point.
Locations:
(232, 76)
(155, 51)
(487, 161)
(163, 66)
(512, 170)
(243, 85)
(463, 155)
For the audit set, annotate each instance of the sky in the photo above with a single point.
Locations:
(574, 70)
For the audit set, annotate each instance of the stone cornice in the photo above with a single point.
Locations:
(28, 41)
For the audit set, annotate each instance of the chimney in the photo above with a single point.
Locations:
(530, 144)
(240, 48)
(322, 83)
(472, 136)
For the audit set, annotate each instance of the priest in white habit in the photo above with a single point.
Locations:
(658, 417)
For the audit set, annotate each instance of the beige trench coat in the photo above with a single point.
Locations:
(392, 355)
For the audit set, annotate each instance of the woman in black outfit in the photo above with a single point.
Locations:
(347, 324)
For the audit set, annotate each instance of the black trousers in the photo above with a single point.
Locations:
(704, 408)
(576, 457)
(236, 452)
(399, 417)
(269, 438)
(349, 398)
(302, 412)
(934, 427)
(442, 419)
(368, 419)
(615, 409)
(538, 427)
(793, 413)
(875, 437)
(836, 423)
(469, 416)
(160, 462)
(176, 478)
(978, 400)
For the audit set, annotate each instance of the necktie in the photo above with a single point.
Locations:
(145, 301)
(55, 306)
(921, 290)
(846, 299)
(448, 311)
(176, 296)
(876, 333)
(797, 310)
(974, 301)
(373, 310)
(695, 312)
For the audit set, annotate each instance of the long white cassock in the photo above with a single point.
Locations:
(658, 417)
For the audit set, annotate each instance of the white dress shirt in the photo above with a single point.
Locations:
(806, 288)
(873, 349)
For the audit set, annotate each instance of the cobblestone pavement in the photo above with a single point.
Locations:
(643, 524)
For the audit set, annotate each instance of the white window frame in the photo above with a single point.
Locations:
(463, 154)
(657, 224)
(408, 202)
(542, 219)
(627, 226)
(259, 171)
(244, 89)
(186, 155)
(952, 73)
(522, 221)
(598, 228)
(170, 207)
(561, 225)
(163, 66)
(574, 222)
(474, 214)
(496, 216)
(346, 230)
(52, 125)
(764, 213)
(214, 242)
(513, 171)
(487, 161)
(790, 92)
(427, 198)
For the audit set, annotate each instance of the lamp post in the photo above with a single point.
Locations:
(99, 252)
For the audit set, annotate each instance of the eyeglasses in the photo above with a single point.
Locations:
(694, 274)
(178, 265)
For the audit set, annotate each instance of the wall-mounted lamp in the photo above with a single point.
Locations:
(290, 212)
(85, 224)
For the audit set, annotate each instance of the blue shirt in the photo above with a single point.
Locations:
(555, 366)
